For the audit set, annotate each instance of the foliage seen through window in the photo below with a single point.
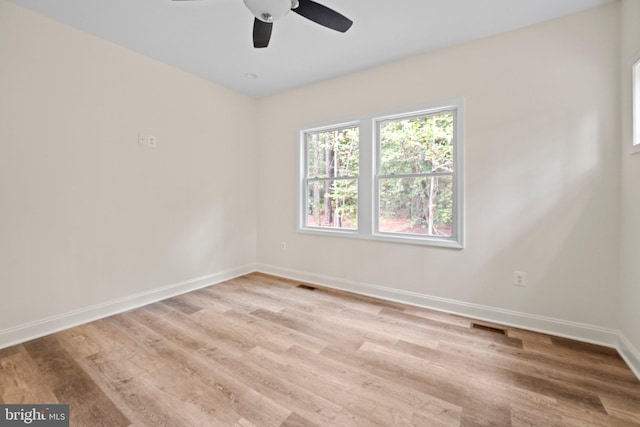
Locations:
(415, 181)
(332, 178)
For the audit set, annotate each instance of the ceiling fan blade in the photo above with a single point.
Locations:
(261, 33)
(323, 15)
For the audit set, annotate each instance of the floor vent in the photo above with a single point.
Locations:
(489, 328)
(307, 287)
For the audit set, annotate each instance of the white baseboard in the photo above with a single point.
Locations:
(574, 330)
(547, 325)
(28, 331)
(578, 331)
(629, 353)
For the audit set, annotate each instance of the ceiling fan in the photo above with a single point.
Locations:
(266, 12)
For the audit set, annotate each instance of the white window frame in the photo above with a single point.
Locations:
(367, 178)
(304, 180)
(635, 108)
(435, 240)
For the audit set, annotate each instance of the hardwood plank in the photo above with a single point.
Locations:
(261, 351)
(513, 378)
(615, 392)
(460, 332)
(329, 388)
(81, 341)
(369, 387)
(438, 316)
(363, 302)
(526, 417)
(583, 347)
(200, 298)
(244, 423)
(573, 370)
(478, 407)
(196, 356)
(181, 304)
(434, 420)
(308, 404)
(179, 379)
(133, 392)
(20, 381)
(9, 351)
(88, 405)
(622, 407)
(295, 420)
(554, 397)
(136, 381)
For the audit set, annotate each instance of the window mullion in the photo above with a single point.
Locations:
(365, 187)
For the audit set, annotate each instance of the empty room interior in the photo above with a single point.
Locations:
(200, 230)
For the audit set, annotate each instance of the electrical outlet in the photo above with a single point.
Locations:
(519, 278)
(283, 245)
(152, 141)
(149, 141)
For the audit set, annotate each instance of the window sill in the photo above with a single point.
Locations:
(384, 237)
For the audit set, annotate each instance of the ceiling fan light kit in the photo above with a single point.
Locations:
(269, 10)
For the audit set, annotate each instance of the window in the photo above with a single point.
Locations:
(331, 178)
(415, 175)
(636, 106)
(395, 177)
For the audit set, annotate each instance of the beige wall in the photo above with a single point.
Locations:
(630, 218)
(87, 216)
(541, 173)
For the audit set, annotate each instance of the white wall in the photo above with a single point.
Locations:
(630, 212)
(87, 217)
(91, 223)
(542, 175)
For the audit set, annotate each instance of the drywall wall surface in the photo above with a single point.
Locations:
(630, 185)
(541, 171)
(88, 216)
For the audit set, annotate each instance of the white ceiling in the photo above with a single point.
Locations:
(212, 38)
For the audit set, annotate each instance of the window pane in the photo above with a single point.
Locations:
(333, 203)
(421, 206)
(417, 145)
(332, 153)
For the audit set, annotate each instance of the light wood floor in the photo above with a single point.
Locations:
(259, 351)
